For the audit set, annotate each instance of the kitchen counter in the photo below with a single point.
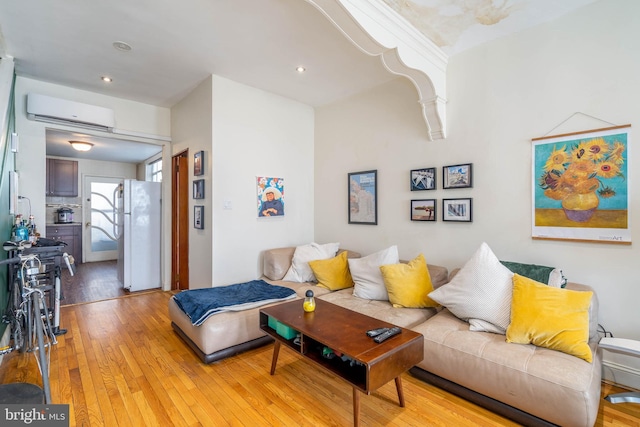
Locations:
(62, 224)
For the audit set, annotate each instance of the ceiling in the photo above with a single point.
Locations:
(176, 45)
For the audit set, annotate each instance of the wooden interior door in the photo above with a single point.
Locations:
(180, 223)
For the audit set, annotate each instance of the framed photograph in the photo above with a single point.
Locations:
(457, 176)
(270, 196)
(459, 210)
(198, 163)
(363, 194)
(423, 210)
(198, 189)
(423, 179)
(580, 186)
(198, 217)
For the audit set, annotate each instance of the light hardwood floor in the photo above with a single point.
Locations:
(121, 364)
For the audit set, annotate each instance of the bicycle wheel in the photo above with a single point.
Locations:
(18, 321)
(40, 346)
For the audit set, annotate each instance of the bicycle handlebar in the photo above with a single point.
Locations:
(14, 260)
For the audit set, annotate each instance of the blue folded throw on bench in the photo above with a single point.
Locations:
(199, 304)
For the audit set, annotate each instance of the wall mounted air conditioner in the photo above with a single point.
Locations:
(47, 109)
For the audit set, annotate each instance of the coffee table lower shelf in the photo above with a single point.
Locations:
(368, 365)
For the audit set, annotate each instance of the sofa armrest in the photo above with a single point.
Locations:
(593, 309)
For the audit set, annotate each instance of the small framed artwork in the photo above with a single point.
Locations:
(457, 176)
(198, 163)
(363, 204)
(270, 196)
(423, 179)
(423, 210)
(198, 189)
(198, 217)
(459, 210)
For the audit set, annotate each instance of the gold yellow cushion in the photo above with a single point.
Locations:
(332, 273)
(409, 284)
(550, 317)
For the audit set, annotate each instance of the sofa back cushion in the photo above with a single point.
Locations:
(276, 262)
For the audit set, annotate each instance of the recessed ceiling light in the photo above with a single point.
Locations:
(301, 69)
(125, 47)
(106, 79)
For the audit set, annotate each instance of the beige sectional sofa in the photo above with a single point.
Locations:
(528, 384)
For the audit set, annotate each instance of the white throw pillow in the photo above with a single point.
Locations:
(366, 274)
(480, 293)
(300, 271)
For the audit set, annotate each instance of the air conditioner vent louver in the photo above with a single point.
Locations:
(70, 113)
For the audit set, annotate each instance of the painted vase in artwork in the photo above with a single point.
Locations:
(580, 207)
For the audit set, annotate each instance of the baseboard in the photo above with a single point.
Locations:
(623, 375)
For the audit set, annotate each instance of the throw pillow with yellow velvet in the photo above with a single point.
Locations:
(409, 284)
(549, 317)
(332, 273)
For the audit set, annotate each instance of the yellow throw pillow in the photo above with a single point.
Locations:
(409, 284)
(332, 273)
(550, 317)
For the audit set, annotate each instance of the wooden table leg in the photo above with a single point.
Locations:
(356, 407)
(400, 393)
(274, 360)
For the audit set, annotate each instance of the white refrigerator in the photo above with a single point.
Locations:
(139, 208)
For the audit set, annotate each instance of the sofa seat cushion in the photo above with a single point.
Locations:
(301, 288)
(549, 384)
(382, 310)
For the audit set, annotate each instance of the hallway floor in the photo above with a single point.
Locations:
(93, 281)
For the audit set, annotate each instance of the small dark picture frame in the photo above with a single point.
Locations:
(423, 179)
(423, 210)
(457, 176)
(198, 189)
(198, 217)
(363, 197)
(457, 210)
(198, 163)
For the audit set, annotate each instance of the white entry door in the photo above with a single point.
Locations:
(100, 211)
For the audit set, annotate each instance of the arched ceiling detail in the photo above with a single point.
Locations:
(377, 30)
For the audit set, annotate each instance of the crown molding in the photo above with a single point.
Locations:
(378, 30)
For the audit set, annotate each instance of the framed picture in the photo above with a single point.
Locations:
(423, 210)
(198, 163)
(198, 189)
(580, 186)
(457, 176)
(459, 210)
(363, 191)
(270, 196)
(423, 179)
(198, 217)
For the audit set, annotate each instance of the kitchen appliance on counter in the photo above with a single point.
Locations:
(64, 215)
(139, 241)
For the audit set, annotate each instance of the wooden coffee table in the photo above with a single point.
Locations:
(371, 365)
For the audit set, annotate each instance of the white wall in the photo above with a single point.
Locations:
(501, 95)
(256, 133)
(191, 130)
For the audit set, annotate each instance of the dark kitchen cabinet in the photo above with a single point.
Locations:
(62, 178)
(71, 235)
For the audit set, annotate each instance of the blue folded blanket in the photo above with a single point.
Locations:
(199, 304)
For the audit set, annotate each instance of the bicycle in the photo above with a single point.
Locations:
(27, 313)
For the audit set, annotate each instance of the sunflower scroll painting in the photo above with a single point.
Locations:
(581, 186)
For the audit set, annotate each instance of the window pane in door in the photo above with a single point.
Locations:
(103, 216)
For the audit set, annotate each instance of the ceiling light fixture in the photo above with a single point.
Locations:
(81, 145)
(301, 69)
(106, 79)
(122, 46)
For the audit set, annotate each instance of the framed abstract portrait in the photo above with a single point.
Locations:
(362, 202)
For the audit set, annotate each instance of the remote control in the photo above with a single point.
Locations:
(375, 332)
(388, 334)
